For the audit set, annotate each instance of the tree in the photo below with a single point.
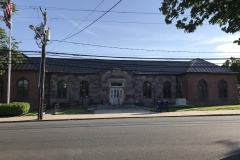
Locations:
(17, 57)
(191, 14)
(234, 65)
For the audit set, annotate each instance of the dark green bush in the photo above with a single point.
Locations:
(14, 109)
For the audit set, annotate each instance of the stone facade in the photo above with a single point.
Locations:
(102, 87)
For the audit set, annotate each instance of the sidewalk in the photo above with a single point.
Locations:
(147, 114)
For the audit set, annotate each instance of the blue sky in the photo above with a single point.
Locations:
(148, 31)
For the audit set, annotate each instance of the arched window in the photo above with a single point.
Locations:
(62, 89)
(222, 89)
(147, 90)
(202, 89)
(22, 88)
(1, 89)
(167, 90)
(84, 89)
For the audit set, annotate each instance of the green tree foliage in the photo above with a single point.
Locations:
(189, 14)
(17, 57)
(234, 65)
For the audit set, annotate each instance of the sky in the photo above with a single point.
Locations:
(133, 28)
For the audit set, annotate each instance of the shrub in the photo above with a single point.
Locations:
(14, 109)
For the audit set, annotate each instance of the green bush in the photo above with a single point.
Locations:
(14, 109)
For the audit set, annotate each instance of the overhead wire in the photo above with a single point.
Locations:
(84, 19)
(90, 10)
(92, 62)
(80, 23)
(94, 20)
(136, 49)
(81, 55)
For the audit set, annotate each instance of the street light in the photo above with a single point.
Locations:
(32, 27)
(38, 34)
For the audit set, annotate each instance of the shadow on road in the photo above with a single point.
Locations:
(234, 146)
(233, 157)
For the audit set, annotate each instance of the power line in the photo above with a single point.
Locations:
(109, 21)
(95, 20)
(84, 19)
(134, 49)
(81, 55)
(90, 10)
(80, 23)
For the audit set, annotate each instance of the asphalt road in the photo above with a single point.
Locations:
(120, 139)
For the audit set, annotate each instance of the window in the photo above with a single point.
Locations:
(202, 89)
(22, 88)
(1, 89)
(116, 84)
(147, 90)
(222, 89)
(84, 89)
(62, 89)
(167, 90)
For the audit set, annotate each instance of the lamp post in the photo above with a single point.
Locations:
(42, 36)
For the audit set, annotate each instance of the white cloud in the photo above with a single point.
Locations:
(222, 39)
(229, 47)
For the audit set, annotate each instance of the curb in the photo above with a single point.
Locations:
(75, 119)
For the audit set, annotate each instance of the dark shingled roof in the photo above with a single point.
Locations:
(201, 66)
(60, 65)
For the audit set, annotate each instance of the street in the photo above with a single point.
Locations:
(195, 138)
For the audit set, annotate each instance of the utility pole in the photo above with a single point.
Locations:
(42, 69)
(44, 35)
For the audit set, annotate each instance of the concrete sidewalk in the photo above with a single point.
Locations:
(110, 115)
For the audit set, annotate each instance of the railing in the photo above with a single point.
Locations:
(79, 103)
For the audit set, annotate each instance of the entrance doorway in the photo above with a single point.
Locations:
(116, 95)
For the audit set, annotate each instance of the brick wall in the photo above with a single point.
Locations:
(33, 95)
(190, 82)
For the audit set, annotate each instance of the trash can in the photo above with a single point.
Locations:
(166, 106)
(160, 106)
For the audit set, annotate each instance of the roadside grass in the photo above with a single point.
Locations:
(32, 112)
(73, 111)
(174, 108)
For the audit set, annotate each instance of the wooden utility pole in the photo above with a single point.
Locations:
(42, 69)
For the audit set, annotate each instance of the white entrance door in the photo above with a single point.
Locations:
(116, 95)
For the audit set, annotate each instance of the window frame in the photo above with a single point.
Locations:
(62, 89)
(147, 90)
(84, 86)
(222, 89)
(167, 90)
(202, 89)
(22, 91)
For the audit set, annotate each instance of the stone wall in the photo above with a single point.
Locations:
(73, 87)
(117, 75)
(157, 82)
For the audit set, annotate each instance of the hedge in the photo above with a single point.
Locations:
(14, 109)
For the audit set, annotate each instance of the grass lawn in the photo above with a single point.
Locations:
(32, 112)
(73, 111)
(174, 108)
